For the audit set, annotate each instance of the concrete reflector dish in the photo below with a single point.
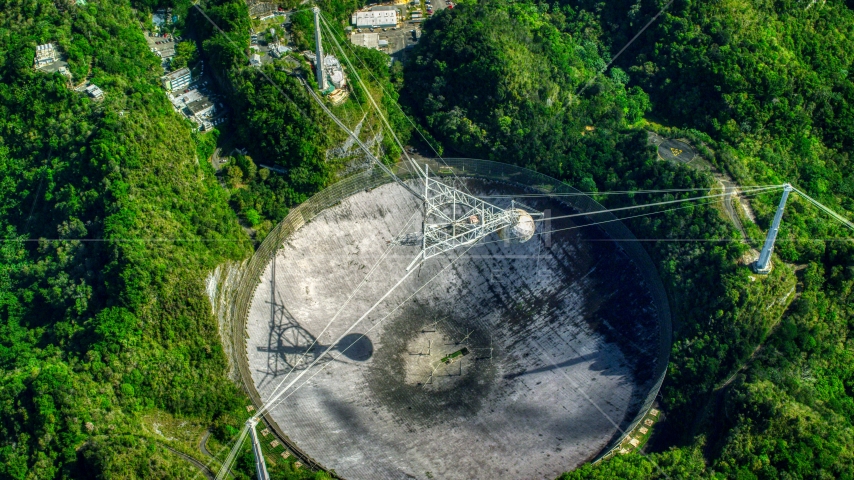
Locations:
(516, 360)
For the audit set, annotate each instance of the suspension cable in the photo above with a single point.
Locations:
(229, 459)
(358, 141)
(341, 308)
(378, 323)
(319, 101)
(844, 221)
(267, 405)
(386, 93)
(623, 192)
(667, 202)
(617, 220)
(367, 92)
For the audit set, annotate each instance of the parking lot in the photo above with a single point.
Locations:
(54, 67)
(398, 39)
(402, 38)
(199, 90)
(162, 47)
(438, 5)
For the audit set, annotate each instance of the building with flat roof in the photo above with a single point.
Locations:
(278, 50)
(200, 108)
(45, 55)
(177, 80)
(255, 61)
(94, 91)
(367, 40)
(381, 18)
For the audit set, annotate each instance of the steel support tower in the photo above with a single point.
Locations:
(763, 265)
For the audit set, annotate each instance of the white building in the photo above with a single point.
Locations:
(367, 40)
(278, 50)
(94, 91)
(381, 18)
(334, 72)
(177, 80)
(256, 60)
(45, 55)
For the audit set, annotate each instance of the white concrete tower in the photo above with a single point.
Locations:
(260, 464)
(763, 265)
(318, 51)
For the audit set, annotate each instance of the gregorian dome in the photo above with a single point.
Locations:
(522, 228)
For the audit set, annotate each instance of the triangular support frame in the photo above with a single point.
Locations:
(453, 219)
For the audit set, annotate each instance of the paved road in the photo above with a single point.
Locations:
(663, 147)
(203, 447)
(207, 472)
(203, 443)
(730, 186)
(397, 39)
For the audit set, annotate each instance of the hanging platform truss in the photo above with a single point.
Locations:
(453, 219)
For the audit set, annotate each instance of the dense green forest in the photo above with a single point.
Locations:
(275, 119)
(113, 215)
(112, 218)
(753, 390)
(110, 221)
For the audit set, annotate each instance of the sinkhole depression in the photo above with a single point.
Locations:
(506, 360)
